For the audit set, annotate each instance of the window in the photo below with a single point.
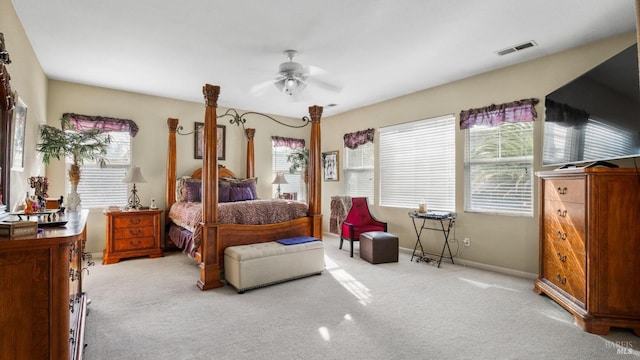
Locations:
(295, 187)
(417, 163)
(358, 164)
(498, 169)
(100, 187)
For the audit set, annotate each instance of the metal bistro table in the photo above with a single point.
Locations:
(443, 217)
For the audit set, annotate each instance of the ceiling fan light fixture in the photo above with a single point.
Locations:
(290, 85)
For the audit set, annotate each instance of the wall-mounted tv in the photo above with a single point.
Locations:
(595, 117)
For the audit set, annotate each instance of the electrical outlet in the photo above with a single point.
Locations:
(467, 242)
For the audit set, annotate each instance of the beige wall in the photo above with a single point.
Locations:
(502, 241)
(29, 81)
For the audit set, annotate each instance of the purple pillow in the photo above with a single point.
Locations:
(224, 194)
(193, 191)
(240, 194)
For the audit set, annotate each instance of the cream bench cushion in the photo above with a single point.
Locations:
(256, 265)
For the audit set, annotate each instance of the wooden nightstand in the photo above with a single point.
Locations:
(132, 234)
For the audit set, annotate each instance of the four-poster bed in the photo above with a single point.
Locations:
(215, 235)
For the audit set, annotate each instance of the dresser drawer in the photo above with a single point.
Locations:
(133, 221)
(565, 235)
(566, 258)
(572, 214)
(137, 243)
(571, 190)
(566, 281)
(128, 233)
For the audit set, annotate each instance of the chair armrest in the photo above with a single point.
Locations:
(350, 225)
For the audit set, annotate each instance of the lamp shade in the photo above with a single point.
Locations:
(279, 179)
(134, 175)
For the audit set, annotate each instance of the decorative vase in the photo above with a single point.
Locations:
(73, 199)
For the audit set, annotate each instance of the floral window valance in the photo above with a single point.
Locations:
(563, 113)
(355, 139)
(288, 142)
(85, 122)
(496, 115)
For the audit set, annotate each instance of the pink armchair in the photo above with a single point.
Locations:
(359, 220)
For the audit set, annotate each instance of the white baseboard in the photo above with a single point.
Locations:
(477, 265)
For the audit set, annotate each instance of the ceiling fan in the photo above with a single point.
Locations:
(294, 77)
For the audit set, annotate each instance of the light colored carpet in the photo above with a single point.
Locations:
(151, 309)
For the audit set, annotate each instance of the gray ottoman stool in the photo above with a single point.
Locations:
(379, 247)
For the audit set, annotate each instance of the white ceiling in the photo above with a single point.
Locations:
(378, 49)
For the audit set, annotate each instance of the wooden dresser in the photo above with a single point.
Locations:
(132, 234)
(42, 305)
(590, 245)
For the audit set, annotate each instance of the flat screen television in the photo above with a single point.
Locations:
(595, 117)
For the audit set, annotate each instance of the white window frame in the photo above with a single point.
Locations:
(417, 164)
(497, 182)
(295, 180)
(102, 187)
(359, 176)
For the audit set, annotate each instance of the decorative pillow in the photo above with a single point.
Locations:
(193, 190)
(249, 183)
(224, 194)
(240, 193)
(180, 192)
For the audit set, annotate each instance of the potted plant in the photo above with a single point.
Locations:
(299, 160)
(80, 146)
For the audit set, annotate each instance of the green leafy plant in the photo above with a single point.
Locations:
(299, 160)
(80, 146)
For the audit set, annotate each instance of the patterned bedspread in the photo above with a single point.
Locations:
(253, 212)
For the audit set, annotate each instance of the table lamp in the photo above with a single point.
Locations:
(279, 180)
(134, 175)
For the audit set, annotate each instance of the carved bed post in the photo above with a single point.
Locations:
(170, 196)
(315, 166)
(250, 153)
(210, 266)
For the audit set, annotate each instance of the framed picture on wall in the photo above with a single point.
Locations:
(18, 126)
(330, 165)
(198, 144)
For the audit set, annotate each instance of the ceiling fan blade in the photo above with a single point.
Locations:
(260, 88)
(325, 84)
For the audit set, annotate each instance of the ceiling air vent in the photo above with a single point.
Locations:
(515, 48)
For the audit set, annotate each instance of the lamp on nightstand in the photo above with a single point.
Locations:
(279, 180)
(134, 175)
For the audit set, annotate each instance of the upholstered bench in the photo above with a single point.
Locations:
(255, 265)
(379, 247)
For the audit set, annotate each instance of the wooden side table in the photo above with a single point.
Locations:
(132, 234)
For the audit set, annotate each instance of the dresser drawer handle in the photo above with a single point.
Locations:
(134, 221)
(561, 257)
(135, 232)
(562, 213)
(561, 279)
(562, 191)
(562, 235)
(134, 243)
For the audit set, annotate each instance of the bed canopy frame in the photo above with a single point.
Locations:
(216, 236)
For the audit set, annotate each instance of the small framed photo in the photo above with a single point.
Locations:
(198, 143)
(330, 165)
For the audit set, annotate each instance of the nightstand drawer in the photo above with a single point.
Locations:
(133, 221)
(132, 233)
(137, 243)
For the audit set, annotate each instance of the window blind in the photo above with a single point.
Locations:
(100, 187)
(417, 163)
(499, 169)
(358, 171)
(295, 181)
